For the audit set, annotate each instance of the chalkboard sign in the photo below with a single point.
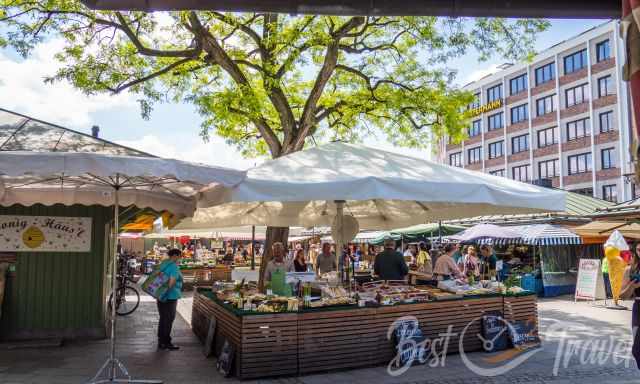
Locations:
(495, 332)
(225, 360)
(211, 335)
(410, 342)
(522, 333)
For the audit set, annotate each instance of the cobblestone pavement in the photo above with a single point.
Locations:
(585, 333)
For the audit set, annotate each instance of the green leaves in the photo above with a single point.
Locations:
(267, 82)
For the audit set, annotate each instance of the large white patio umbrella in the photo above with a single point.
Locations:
(382, 190)
(90, 178)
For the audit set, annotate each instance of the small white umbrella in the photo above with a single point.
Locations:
(382, 190)
(90, 178)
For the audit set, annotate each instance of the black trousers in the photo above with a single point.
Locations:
(635, 323)
(167, 311)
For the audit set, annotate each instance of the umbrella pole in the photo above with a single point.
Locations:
(253, 247)
(338, 237)
(111, 366)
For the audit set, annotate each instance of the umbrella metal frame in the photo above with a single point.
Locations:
(112, 368)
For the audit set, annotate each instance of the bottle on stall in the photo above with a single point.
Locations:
(306, 294)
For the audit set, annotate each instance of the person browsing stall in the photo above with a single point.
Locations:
(471, 264)
(326, 260)
(299, 263)
(424, 260)
(167, 304)
(488, 261)
(446, 268)
(390, 264)
(631, 290)
(278, 262)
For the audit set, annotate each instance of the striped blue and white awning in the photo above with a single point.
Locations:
(547, 234)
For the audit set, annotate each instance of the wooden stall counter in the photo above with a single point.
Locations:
(323, 339)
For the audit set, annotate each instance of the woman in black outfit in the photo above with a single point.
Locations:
(299, 263)
(631, 289)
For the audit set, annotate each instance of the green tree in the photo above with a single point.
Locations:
(268, 82)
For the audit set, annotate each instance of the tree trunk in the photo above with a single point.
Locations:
(274, 234)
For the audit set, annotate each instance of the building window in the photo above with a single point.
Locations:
(575, 62)
(495, 122)
(518, 84)
(475, 128)
(495, 150)
(577, 95)
(494, 93)
(476, 101)
(519, 113)
(583, 191)
(605, 86)
(606, 122)
(455, 159)
(578, 129)
(521, 173)
(579, 163)
(545, 105)
(497, 172)
(545, 73)
(548, 169)
(610, 193)
(547, 137)
(603, 51)
(608, 158)
(473, 155)
(519, 144)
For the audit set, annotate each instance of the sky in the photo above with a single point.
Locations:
(173, 129)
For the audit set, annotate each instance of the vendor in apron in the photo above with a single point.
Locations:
(446, 268)
(276, 269)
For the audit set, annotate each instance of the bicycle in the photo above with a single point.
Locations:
(127, 297)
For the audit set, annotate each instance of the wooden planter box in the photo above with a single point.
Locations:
(323, 340)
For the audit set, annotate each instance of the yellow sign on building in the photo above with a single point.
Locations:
(486, 108)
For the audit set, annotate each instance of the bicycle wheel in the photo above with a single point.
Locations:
(128, 300)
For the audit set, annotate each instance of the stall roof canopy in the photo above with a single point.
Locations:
(628, 209)
(599, 231)
(578, 208)
(503, 8)
(23, 133)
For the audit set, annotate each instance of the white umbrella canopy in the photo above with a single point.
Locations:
(382, 190)
(48, 178)
(88, 178)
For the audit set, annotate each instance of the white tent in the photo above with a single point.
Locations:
(48, 178)
(382, 190)
(91, 178)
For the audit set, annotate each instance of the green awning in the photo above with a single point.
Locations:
(416, 232)
(427, 230)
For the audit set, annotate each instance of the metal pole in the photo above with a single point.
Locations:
(338, 236)
(114, 281)
(253, 247)
(112, 364)
(440, 231)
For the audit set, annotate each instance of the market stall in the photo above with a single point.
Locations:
(370, 189)
(306, 340)
(543, 257)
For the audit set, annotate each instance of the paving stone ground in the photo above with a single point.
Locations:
(588, 332)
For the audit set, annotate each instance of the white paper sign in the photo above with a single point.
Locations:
(294, 277)
(590, 284)
(45, 234)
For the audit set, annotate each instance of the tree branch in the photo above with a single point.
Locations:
(328, 67)
(150, 76)
(124, 27)
(219, 56)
